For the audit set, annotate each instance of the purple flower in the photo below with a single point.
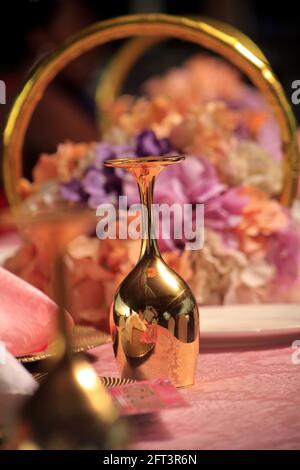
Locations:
(100, 187)
(72, 191)
(104, 198)
(99, 184)
(105, 151)
(193, 181)
(94, 181)
(147, 144)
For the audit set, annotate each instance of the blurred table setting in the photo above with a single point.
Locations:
(244, 397)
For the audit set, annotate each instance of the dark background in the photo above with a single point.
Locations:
(31, 28)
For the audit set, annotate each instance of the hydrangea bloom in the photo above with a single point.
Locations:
(206, 111)
(98, 184)
(283, 252)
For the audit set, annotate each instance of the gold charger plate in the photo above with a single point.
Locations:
(108, 382)
(83, 339)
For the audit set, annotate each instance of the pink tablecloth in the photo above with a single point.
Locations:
(241, 400)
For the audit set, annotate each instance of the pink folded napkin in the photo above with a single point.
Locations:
(27, 316)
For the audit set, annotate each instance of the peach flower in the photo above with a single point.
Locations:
(201, 79)
(63, 163)
(260, 218)
(157, 114)
(207, 131)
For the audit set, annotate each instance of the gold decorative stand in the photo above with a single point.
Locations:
(224, 40)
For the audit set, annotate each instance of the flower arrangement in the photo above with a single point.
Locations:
(202, 109)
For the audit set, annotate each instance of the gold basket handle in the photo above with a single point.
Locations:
(254, 65)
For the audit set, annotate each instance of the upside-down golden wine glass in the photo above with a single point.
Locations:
(71, 409)
(154, 314)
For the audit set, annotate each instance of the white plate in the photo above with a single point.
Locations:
(249, 325)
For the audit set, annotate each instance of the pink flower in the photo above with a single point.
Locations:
(193, 181)
(224, 212)
(261, 218)
(283, 252)
(201, 79)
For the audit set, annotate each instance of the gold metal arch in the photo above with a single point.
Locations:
(112, 79)
(243, 54)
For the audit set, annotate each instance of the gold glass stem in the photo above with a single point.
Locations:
(60, 296)
(146, 180)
